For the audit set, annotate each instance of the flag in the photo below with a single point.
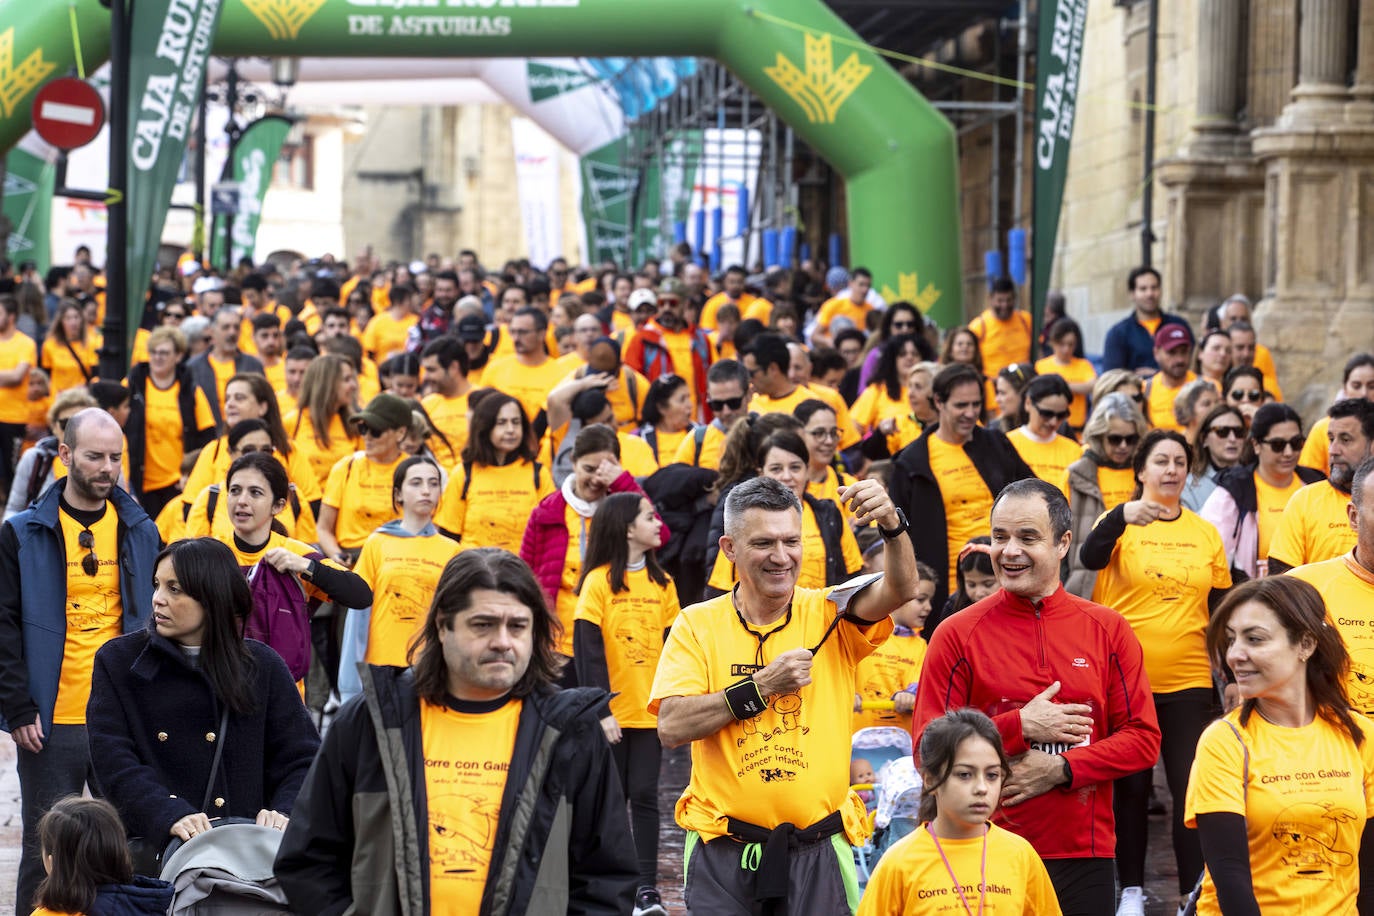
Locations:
(250, 164)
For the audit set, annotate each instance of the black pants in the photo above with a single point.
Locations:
(637, 758)
(1182, 718)
(11, 438)
(1084, 886)
(154, 501)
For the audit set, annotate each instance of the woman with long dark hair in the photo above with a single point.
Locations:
(883, 403)
(162, 699)
(899, 319)
(209, 514)
(69, 352)
(667, 416)
(322, 426)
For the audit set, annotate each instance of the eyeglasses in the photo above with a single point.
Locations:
(1116, 441)
(161, 353)
(824, 434)
(90, 565)
(1281, 445)
(719, 404)
(176, 315)
(1254, 397)
(1228, 432)
(1054, 416)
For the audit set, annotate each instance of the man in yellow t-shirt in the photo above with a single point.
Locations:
(87, 551)
(760, 682)
(1356, 382)
(531, 373)
(17, 356)
(769, 361)
(1003, 331)
(441, 764)
(853, 305)
(732, 291)
(1346, 584)
(267, 343)
(1173, 353)
(727, 389)
(444, 362)
(1315, 525)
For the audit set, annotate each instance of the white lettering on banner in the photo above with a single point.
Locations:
(250, 204)
(449, 26)
(1061, 81)
(463, 4)
(168, 100)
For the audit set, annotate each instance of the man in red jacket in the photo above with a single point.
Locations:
(1064, 681)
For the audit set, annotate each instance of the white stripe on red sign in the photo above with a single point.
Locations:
(70, 114)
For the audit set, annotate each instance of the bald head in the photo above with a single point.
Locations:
(91, 424)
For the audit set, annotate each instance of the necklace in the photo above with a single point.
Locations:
(959, 888)
(761, 637)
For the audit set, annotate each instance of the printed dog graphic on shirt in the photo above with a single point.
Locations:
(787, 707)
(456, 845)
(409, 601)
(1171, 586)
(1361, 681)
(1307, 832)
(87, 613)
(633, 647)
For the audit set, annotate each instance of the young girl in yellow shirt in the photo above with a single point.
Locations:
(626, 604)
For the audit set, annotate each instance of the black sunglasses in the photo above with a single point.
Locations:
(89, 564)
(1228, 432)
(1054, 416)
(173, 314)
(719, 404)
(1253, 397)
(1280, 445)
(1116, 441)
(367, 429)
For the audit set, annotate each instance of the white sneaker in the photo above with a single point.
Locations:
(1132, 902)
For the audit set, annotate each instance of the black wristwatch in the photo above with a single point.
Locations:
(891, 534)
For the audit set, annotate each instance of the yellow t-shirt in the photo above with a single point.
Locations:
(849, 433)
(812, 572)
(94, 611)
(1305, 802)
(711, 442)
(360, 489)
(1078, 370)
(450, 417)
(668, 444)
(1272, 502)
(1158, 579)
(636, 456)
(1002, 342)
(632, 624)
(385, 335)
(1117, 486)
(967, 500)
(1049, 460)
(18, 349)
(842, 307)
(171, 525)
(830, 489)
(893, 667)
(874, 406)
(1159, 403)
(912, 878)
(1348, 589)
(679, 347)
(322, 458)
(1316, 454)
(276, 376)
(163, 450)
(198, 524)
(403, 573)
(467, 756)
(785, 764)
(224, 371)
(1314, 527)
(64, 371)
(213, 465)
(530, 385)
(707, 319)
(498, 504)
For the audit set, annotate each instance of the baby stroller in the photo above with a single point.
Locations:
(226, 871)
(897, 813)
(879, 746)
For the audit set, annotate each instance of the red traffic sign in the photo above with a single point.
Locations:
(68, 112)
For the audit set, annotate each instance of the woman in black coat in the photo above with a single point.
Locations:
(162, 699)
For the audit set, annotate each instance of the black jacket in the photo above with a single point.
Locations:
(136, 430)
(916, 492)
(358, 838)
(153, 721)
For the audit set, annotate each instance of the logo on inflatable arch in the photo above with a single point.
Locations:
(17, 82)
(820, 90)
(909, 290)
(283, 18)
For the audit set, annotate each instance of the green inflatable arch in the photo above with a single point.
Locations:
(897, 154)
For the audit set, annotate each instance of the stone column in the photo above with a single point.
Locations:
(1219, 42)
(1322, 36)
(1361, 107)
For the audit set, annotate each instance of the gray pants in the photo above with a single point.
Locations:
(62, 768)
(821, 880)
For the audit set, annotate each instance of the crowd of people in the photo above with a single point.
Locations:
(424, 565)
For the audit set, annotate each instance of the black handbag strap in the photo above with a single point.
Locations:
(214, 766)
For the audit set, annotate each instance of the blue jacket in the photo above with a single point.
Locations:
(33, 620)
(1130, 345)
(144, 897)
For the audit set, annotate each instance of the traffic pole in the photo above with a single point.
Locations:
(113, 363)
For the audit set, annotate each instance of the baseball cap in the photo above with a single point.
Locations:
(642, 297)
(472, 329)
(417, 267)
(672, 286)
(385, 411)
(1171, 336)
(206, 285)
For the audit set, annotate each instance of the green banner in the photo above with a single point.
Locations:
(664, 194)
(29, 182)
(169, 46)
(250, 164)
(607, 188)
(1059, 59)
(39, 41)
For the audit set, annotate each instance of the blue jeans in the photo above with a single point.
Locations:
(62, 768)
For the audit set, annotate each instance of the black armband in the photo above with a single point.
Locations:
(744, 699)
